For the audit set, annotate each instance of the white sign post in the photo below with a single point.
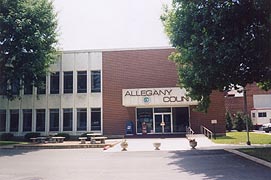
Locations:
(214, 122)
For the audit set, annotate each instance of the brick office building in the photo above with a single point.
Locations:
(102, 90)
(258, 104)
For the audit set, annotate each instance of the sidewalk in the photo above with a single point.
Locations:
(173, 144)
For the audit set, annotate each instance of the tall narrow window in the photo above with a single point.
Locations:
(68, 82)
(81, 81)
(54, 83)
(40, 120)
(54, 120)
(42, 88)
(3, 89)
(15, 87)
(96, 119)
(28, 87)
(3, 120)
(95, 81)
(81, 119)
(27, 119)
(14, 120)
(67, 119)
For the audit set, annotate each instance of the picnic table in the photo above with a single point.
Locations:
(96, 136)
(43, 139)
(39, 139)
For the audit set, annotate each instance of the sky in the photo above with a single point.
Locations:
(110, 24)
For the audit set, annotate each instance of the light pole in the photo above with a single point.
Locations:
(245, 112)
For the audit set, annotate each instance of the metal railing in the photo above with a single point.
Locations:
(189, 132)
(206, 132)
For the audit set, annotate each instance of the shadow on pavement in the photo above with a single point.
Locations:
(217, 165)
(14, 152)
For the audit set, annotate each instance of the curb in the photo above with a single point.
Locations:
(252, 158)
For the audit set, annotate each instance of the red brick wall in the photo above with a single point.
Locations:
(235, 104)
(139, 69)
(132, 69)
(216, 111)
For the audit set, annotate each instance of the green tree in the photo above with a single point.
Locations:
(220, 44)
(229, 124)
(28, 39)
(239, 123)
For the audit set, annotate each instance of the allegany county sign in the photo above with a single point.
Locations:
(156, 97)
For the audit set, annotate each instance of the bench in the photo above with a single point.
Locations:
(34, 140)
(58, 139)
(83, 140)
(101, 139)
(38, 140)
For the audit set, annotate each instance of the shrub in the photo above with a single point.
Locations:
(240, 121)
(250, 124)
(66, 135)
(85, 134)
(7, 136)
(27, 136)
(229, 124)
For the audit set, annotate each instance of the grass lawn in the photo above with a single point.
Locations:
(262, 153)
(241, 138)
(3, 143)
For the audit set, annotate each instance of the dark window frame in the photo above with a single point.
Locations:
(96, 81)
(40, 120)
(27, 120)
(67, 119)
(68, 82)
(96, 124)
(262, 114)
(54, 120)
(42, 90)
(81, 81)
(81, 119)
(3, 120)
(14, 120)
(28, 87)
(54, 83)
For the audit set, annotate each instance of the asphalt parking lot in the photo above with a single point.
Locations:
(86, 164)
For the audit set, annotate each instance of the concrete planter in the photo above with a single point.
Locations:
(124, 145)
(157, 145)
(193, 143)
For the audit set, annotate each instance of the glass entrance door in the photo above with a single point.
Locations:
(162, 123)
(158, 119)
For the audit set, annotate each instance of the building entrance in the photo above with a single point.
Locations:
(162, 123)
(162, 120)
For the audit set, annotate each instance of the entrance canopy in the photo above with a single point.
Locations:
(156, 97)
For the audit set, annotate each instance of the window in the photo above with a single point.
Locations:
(27, 119)
(54, 83)
(144, 115)
(253, 115)
(3, 116)
(54, 120)
(3, 89)
(81, 81)
(15, 87)
(67, 119)
(40, 120)
(81, 119)
(95, 81)
(262, 114)
(28, 87)
(68, 82)
(42, 89)
(96, 119)
(14, 120)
